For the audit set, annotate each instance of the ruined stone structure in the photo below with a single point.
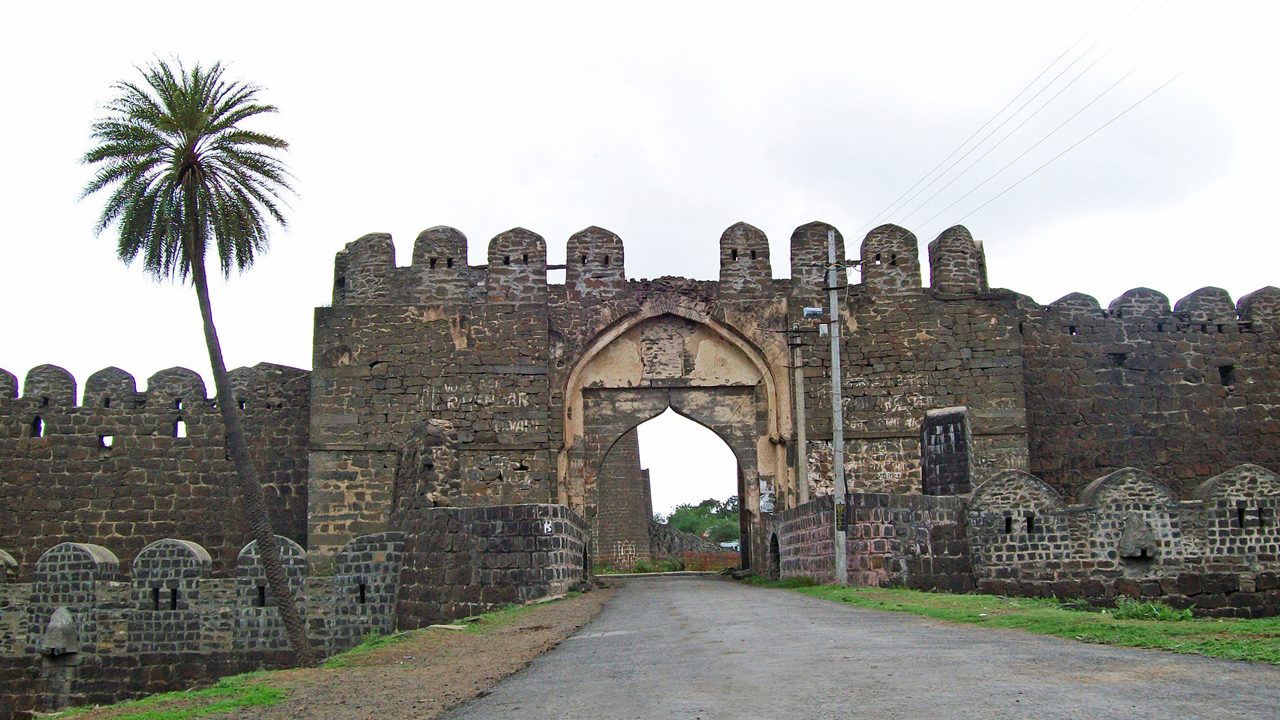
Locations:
(465, 439)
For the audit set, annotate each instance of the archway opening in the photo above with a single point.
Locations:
(669, 494)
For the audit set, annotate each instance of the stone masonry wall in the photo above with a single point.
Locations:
(907, 350)
(170, 624)
(466, 561)
(126, 468)
(1181, 392)
(440, 341)
(623, 513)
(806, 540)
(1218, 553)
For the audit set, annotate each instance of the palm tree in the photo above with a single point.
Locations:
(185, 178)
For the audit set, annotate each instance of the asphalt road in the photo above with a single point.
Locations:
(710, 648)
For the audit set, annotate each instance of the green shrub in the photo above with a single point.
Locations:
(1130, 609)
(671, 564)
(643, 565)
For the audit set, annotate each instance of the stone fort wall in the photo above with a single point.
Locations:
(172, 621)
(1067, 391)
(947, 388)
(125, 468)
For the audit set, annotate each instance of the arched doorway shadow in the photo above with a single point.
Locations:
(626, 495)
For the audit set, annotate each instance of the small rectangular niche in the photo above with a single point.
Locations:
(1031, 524)
(261, 600)
(177, 404)
(1227, 375)
(1118, 358)
(1008, 524)
(180, 428)
(364, 589)
(106, 442)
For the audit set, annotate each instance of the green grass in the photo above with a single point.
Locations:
(1255, 640)
(228, 694)
(371, 642)
(505, 616)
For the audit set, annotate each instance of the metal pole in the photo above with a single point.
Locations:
(834, 267)
(802, 442)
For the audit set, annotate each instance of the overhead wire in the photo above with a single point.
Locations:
(1015, 114)
(1187, 68)
(897, 201)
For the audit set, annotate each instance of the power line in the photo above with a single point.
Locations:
(996, 129)
(895, 204)
(1001, 141)
(1034, 113)
(1023, 154)
(1116, 117)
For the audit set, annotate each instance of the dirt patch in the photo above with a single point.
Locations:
(424, 676)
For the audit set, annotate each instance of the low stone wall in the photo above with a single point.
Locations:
(917, 541)
(465, 561)
(666, 541)
(170, 625)
(909, 540)
(1218, 553)
(28, 686)
(805, 541)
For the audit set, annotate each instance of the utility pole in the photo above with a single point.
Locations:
(834, 267)
(802, 442)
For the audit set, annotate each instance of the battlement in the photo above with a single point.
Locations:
(1207, 310)
(51, 386)
(365, 272)
(156, 457)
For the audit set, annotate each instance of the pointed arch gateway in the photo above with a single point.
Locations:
(675, 355)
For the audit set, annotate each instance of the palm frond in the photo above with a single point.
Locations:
(179, 129)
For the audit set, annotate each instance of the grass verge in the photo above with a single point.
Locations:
(229, 693)
(1254, 640)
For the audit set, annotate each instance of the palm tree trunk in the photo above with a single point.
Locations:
(247, 478)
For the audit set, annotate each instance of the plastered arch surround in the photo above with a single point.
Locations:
(672, 355)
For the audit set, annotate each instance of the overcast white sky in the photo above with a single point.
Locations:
(665, 123)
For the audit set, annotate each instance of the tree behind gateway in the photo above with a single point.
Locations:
(185, 178)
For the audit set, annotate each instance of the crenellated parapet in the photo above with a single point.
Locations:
(1261, 306)
(439, 272)
(8, 386)
(1205, 310)
(149, 463)
(1140, 303)
(957, 263)
(363, 270)
(85, 614)
(517, 268)
(744, 262)
(50, 387)
(809, 259)
(595, 271)
(890, 261)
